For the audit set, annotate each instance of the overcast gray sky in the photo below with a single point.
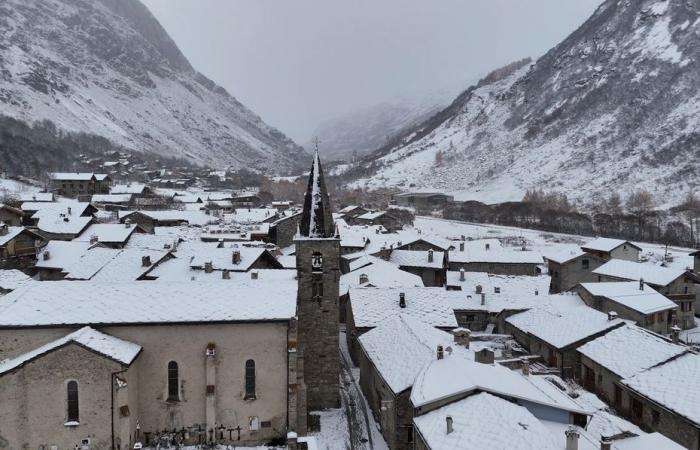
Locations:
(298, 63)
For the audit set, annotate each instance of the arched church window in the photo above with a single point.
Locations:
(250, 380)
(173, 382)
(73, 406)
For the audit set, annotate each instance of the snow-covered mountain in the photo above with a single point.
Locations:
(108, 68)
(614, 107)
(367, 129)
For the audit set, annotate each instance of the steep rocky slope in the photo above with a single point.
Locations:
(107, 67)
(614, 107)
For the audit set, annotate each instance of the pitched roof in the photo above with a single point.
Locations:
(628, 270)
(316, 218)
(60, 254)
(11, 279)
(380, 274)
(144, 302)
(606, 244)
(112, 233)
(496, 257)
(675, 385)
(561, 328)
(119, 350)
(627, 293)
(629, 350)
(485, 421)
(372, 306)
(413, 258)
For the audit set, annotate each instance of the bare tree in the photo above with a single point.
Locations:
(641, 205)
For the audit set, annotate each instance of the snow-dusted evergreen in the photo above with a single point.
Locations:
(108, 68)
(618, 98)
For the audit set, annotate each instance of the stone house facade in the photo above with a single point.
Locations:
(567, 272)
(79, 184)
(11, 216)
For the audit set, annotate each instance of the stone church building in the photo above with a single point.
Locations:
(105, 366)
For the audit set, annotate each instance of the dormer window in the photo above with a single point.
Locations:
(317, 262)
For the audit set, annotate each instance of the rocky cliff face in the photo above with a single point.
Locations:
(107, 67)
(614, 107)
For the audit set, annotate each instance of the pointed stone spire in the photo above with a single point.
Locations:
(316, 219)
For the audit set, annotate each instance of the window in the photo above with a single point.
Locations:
(317, 289)
(655, 417)
(409, 434)
(73, 406)
(637, 408)
(317, 262)
(250, 380)
(173, 382)
(618, 396)
(584, 263)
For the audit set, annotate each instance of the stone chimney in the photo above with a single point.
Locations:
(402, 300)
(440, 352)
(225, 274)
(605, 443)
(69, 210)
(364, 278)
(208, 267)
(483, 298)
(3, 229)
(145, 261)
(221, 243)
(461, 274)
(479, 289)
(484, 356)
(236, 257)
(525, 367)
(253, 275)
(47, 255)
(450, 427)
(612, 315)
(94, 239)
(537, 292)
(430, 255)
(462, 336)
(641, 284)
(487, 246)
(572, 436)
(675, 334)
(461, 246)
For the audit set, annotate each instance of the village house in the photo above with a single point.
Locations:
(60, 220)
(149, 220)
(9, 215)
(283, 229)
(500, 262)
(619, 355)
(569, 268)
(607, 249)
(373, 218)
(664, 398)
(556, 331)
(112, 202)
(429, 265)
(351, 212)
(677, 285)
(631, 300)
(370, 307)
(77, 184)
(113, 235)
(11, 279)
(36, 197)
(18, 247)
(425, 243)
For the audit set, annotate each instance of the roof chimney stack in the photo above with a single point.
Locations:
(47, 255)
(146, 261)
(440, 352)
(484, 356)
(641, 284)
(461, 274)
(483, 298)
(612, 315)
(208, 267)
(488, 246)
(253, 275)
(526, 367)
(402, 300)
(236, 257)
(448, 421)
(364, 278)
(675, 334)
(461, 246)
(479, 289)
(430, 255)
(462, 336)
(605, 443)
(69, 210)
(571, 438)
(221, 243)
(225, 274)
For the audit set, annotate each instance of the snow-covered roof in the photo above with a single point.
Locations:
(112, 233)
(36, 197)
(506, 284)
(289, 261)
(11, 279)
(485, 421)
(111, 198)
(222, 258)
(437, 241)
(119, 350)
(250, 215)
(61, 254)
(12, 232)
(372, 306)
(131, 188)
(143, 302)
(72, 225)
(606, 244)
(412, 258)
(562, 255)
(371, 215)
(628, 270)
(379, 274)
(675, 385)
(401, 346)
(627, 293)
(561, 328)
(55, 208)
(496, 256)
(453, 375)
(72, 176)
(89, 263)
(629, 350)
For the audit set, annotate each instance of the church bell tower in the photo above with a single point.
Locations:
(318, 269)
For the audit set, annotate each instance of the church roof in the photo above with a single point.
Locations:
(316, 218)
